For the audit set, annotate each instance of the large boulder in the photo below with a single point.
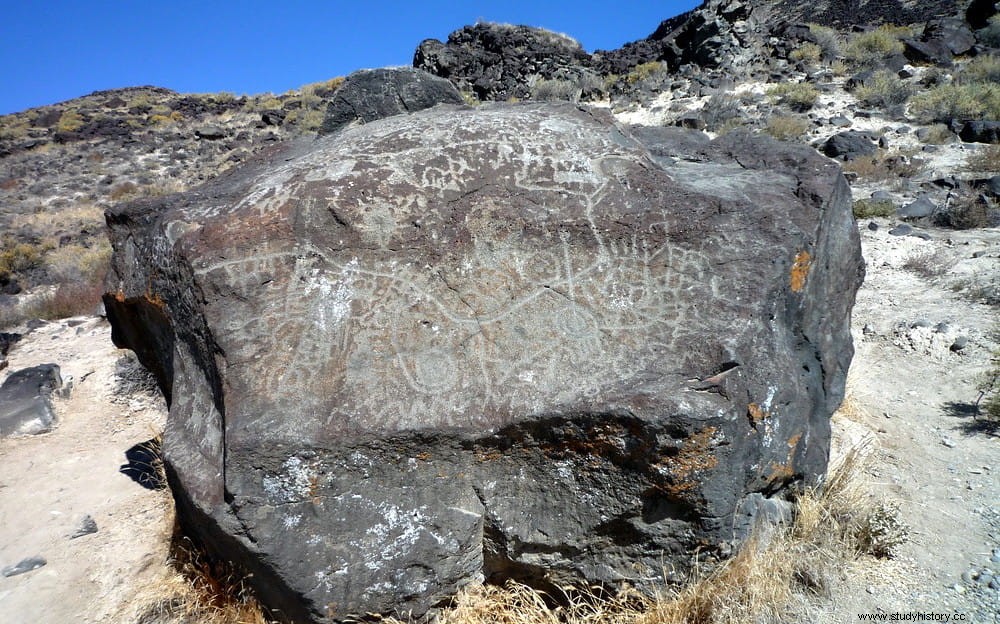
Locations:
(371, 94)
(502, 342)
(501, 61)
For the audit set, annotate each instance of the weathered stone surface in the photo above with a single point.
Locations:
(498, 61)
(981, 132)
(26, 400)
(501, 342)
(372, 94)
(850, 144)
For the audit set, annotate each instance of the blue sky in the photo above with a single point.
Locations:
(56, 50)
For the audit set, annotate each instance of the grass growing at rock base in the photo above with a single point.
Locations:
(776, 573)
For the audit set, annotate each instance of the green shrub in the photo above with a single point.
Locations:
(870, 49)
(554, 89)
(869, 208)
(645, 71)
(957, 101)
(70, 121)
(722, 112)
(800, 97)
(884, 89)
(827, 39)
(16, 257)
(786, 127)
(983, 68)
(808, 52)
(938, 134)
(990, 35)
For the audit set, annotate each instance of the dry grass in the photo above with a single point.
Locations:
(775, 572)
(985, 159)
(885, 165)
(799, 96)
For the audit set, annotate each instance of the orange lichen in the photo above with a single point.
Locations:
(793, 442)
(780, 472)
(800, 270)
(695, 456)
(756, 414)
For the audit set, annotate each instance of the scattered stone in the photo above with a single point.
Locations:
(850, 145)
(26, 400)
(87, 526)
(901, 230)
(210, 133)
(882, 196)
(948, 442)
(942, 328)
(981, 132)
(960, 343)
(873, 226)
(917, 209)
(840, 121)
(921, 235)
(273, 117)
(23, 566)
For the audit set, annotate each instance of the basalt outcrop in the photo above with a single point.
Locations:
(511, 341)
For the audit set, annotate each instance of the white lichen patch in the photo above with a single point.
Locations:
(294, 484)
(331, 299)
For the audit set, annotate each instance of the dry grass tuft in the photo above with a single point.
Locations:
(774, 572)
(192, 593)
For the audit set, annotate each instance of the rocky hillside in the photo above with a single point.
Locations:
(908, 76)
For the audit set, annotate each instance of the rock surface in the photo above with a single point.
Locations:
(372, 94)
(503, 342)
(26, 400)
(499, 61)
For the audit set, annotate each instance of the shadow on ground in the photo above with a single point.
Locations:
(973, 420)
(144, 465)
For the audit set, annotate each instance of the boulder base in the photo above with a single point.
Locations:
(491, 343)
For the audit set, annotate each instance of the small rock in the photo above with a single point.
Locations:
(872, 226)
(918, 209)
(969, 577)
(25, 565)
(87, 526)
(921, 235)
(996, 555)
(901, 230)
(942, 328)
(882, 196)
(960, 343)
(978, 254)
(948, 442)
(995, 583)
(921, 322)
(985, 578)
(840, 121)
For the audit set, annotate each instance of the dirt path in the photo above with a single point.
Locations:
(941, 465)
(49, 482)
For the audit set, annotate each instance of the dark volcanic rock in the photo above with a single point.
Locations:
(494, 342)
(981, 132)
(372, 94)
(498, 61)
(26, 400)
(850, 145)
